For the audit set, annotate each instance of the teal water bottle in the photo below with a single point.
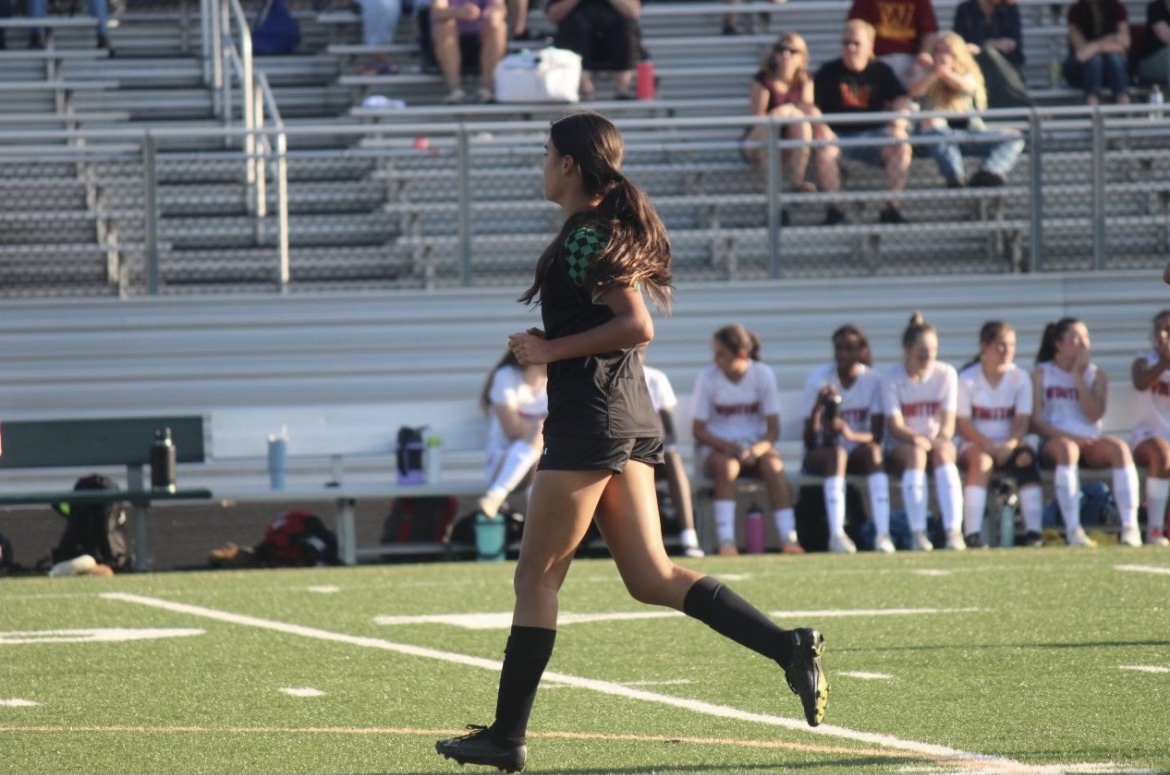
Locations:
(1007, 520)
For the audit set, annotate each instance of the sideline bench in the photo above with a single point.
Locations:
(86, 443)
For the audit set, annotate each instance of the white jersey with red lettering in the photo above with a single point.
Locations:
(1060, 404)
(509, 389)
(1153, 406)
(993, 410)
(736, 411)
(661, 393)
(920, 402)
(859, 402)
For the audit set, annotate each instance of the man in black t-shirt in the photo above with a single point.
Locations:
(858, 83)
(1155, 63)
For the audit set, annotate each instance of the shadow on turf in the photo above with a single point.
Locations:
(837, 765)
(965, 646)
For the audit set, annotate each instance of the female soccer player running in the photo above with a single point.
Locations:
(601, 439)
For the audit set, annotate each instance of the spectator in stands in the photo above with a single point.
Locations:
(1069, 395)
(1150, 440)
(995, 35)
(736, 426)
(920, 396)
(994, 414)
(783, 88)
(516, 399)
(468, 31)
(1098, 40)
(1154, 66)
(379, 26)
(605, 34)
(992, 25)
(5, 13)
(842, 434)
(663, 399)
(903, 31)
(853, 84)
(98, 9)
(954, 83)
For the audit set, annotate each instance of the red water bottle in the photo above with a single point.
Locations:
(645, 78)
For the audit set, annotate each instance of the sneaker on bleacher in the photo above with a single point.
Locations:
(455, 96)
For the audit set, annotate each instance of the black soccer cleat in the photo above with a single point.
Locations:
(806, 676)
(479, 747)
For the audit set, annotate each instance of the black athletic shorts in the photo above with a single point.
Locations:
(588, 453)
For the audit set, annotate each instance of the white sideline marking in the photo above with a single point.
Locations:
(1162, 569)
(667, 682)
(16, 702)
(733, 576)
(932, 572)
(302, 691)
(865, 675)
(503, 620)
(1146, 668)
(326, 590)
(100, 635)
(980, 761)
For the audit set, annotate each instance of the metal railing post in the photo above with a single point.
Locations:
(1097, 170)
(150, 211)
(773, 178)
(282, 208)
(463, 144)
(1036, 171)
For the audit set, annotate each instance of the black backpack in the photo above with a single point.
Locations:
(96, 529)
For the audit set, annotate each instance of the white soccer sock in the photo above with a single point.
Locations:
(521, 456)
(1032, 506)
(1066, 484)
(785, 523)
(1157, 493)
(725, 522)
(834, 487)
(914, 498)
(688, 537)
(1125, 494)
(879, 501)
(974, 507)
(949, 489)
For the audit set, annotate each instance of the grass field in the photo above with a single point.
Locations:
(1001, 661)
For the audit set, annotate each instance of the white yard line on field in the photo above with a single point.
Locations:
(1161, 569)
(979, 762)
(502, 620)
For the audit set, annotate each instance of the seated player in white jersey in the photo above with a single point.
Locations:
(1069, 397)
(994, 414)
(1150, 440)
(736, 411)
(664, 400)
(842, 433)
(517, 401)
(920, 396)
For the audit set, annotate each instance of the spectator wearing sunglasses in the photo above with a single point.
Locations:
(853, 84)
(783, 88)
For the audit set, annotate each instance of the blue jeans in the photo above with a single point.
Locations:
(380, 21)
(98, 9)
(1000, 150)
(1100, 69)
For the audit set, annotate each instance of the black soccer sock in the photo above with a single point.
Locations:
(718, 607)
(525, 658)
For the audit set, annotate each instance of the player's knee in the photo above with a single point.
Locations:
(1025, 467)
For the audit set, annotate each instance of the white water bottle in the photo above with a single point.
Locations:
(1156, 100)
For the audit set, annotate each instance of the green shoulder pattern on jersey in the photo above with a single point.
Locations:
(581, 246)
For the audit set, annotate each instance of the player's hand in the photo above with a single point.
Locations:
(530, 347)
(1081, 364)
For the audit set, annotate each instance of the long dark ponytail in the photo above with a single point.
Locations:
(638, 251)
(1053, 333)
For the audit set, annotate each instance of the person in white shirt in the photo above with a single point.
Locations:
(736, 425)
(994, 414)
(920, 396)
(517, 402)
(1069, 394)
(664, 400)
(1150, 440)
(848, 442)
